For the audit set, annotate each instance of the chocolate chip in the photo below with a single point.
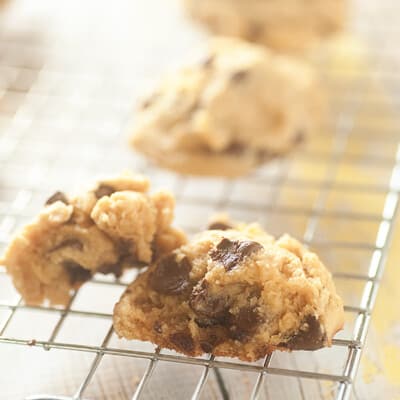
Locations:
(126, 247)
(222, 226)
(255, 31)
(71, 243)
(327, 27)
(244, 323)
(76, 272)
(170, 276)
(131, 261)
(299, 138)
(239, 76)
(212, 307)
(115, 269)
(235, 148)
(206, 347)
(104, 190)
(230, 253)
(311, 338)
(126, 259)
(208, 62)
(149, 101)
(196, 105)
(145, 104)
(127, 254)
(57, 196)
(206, 322)
(208, 344)
(157, 327)
(266, 155)
(183, 341)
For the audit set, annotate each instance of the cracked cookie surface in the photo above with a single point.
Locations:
(236, 292)
(290, 25)
(114, 226)
(240, 107)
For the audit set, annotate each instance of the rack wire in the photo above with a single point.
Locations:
(67, 85)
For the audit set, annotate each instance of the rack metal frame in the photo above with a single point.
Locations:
(18, 86)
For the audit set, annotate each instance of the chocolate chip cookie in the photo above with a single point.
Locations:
(290, 25)
(237, 108)
(236, 292)
(114, 226)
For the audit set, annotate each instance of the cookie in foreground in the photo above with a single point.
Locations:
(235, 293)
(287, 26)
(114, 226)
(238, 108)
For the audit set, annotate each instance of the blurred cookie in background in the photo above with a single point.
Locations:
(288, 25)
(237, 108)
(3, 2)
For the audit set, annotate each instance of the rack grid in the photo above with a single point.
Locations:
(65, 104)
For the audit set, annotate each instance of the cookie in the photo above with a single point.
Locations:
(114, 226)
(236, 292)
(287, 26)
(238, 108)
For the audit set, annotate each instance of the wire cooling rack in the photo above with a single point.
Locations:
(69, 75)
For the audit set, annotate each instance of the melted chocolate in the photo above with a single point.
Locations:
(170, 276)
(57, 196)
(230, 253)
(311, 338)
(104, 190)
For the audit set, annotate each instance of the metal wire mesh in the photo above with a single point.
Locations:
(66, 93)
